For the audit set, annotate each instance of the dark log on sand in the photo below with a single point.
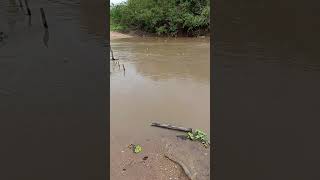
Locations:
(168, 126)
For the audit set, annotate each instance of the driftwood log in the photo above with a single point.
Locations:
(168, 126)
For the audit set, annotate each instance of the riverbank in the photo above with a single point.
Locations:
(119, 35)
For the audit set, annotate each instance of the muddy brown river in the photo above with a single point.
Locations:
(165, 80)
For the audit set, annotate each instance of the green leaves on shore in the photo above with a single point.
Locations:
(136, 148)
(199, 135)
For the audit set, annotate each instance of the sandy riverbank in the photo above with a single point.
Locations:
(117, 35)
(164, 158)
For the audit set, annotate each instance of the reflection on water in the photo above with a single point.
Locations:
(46, 37)
(165, 80)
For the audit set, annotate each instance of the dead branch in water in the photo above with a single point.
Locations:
(28, 9)
(112, 57)
(44, 19)
(168, 126)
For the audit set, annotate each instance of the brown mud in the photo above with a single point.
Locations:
(167, 157)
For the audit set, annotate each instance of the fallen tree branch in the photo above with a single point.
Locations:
(168, 126)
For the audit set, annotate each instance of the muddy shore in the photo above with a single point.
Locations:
(166, 157)
(151, 163)
(117, 35)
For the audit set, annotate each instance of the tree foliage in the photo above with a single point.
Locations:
(164, 17)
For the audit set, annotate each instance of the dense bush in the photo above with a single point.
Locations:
(164, 17)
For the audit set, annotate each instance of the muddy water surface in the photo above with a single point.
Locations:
(165, 80)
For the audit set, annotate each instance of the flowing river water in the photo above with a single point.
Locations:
(165, 80)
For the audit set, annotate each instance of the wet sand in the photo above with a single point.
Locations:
(164, 157)
(151, 163)
(116, 35)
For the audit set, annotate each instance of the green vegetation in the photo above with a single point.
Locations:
(162, 17)
(136, 148)
(199, 135)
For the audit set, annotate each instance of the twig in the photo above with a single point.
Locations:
(112, 55)
(28, 9)
(44, 20)
(168, 126)
(46, 37)
(29, 21)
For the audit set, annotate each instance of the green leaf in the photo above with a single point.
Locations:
(137, 148)
(190, 136)
(198, 135)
